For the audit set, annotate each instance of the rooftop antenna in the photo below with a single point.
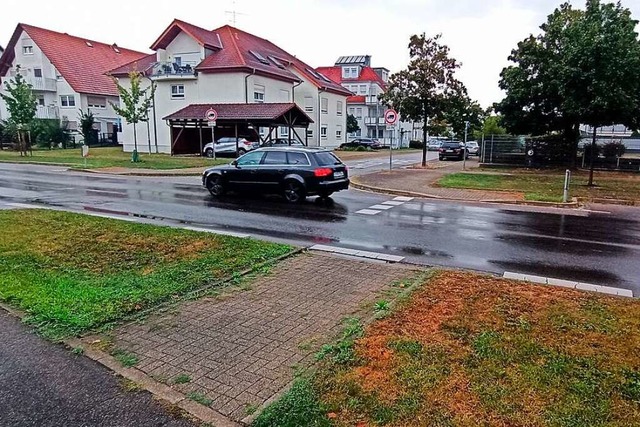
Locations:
(234, 13)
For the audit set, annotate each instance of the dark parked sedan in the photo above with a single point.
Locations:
(372, 143)
(291, 171)
(282, 142)
(452, 150)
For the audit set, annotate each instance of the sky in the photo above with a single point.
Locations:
(480, 33)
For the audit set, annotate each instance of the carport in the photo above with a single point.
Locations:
(190, 131)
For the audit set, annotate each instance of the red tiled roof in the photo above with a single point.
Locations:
(357, 99)
(81, 65)
(367, 74)
(141, 65)
(266, 111)
(204, 37)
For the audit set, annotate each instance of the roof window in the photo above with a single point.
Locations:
(259, 57)
(89, 44)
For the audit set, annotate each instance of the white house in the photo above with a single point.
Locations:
(367, 83)
(192, 66)
(67, 74)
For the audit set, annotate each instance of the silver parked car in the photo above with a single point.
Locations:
(227, 146)
(473, 148)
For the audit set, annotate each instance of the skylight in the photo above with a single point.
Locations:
(259, 57)
(277, 62)
(89, 44)
(325, 78)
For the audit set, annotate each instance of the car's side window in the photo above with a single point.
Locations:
(250, 159)
(298, 159)
(275, 158)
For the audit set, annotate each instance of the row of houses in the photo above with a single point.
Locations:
(258, 88)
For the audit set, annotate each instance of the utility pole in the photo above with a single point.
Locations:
(464, 150)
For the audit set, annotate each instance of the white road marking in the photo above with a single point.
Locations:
(220, 232)
(403, 199)
(367, 212)
(381, 207)
(356, 253)
(393, 203)
(569, 284)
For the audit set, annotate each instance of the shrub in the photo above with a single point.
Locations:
(361, 148)
(587, 151)
(613, 149)
(49, 133)
(414, 143)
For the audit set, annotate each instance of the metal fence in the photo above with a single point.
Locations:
(503, 149)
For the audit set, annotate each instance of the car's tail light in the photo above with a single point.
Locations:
(322, 172)
(441, 150)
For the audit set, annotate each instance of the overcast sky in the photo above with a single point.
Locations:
(480, 33)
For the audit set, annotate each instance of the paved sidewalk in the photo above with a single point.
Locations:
(241, 350)
(422, 182)
(43, 384)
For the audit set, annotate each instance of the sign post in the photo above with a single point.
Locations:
(211, 115)
(85, 154)
(390, 118)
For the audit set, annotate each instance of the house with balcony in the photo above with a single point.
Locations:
(356, 74)
(67, 74)
(193, 67)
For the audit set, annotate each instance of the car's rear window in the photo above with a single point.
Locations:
(327, 159)
(451, 144)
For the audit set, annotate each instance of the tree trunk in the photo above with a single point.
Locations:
(593, 157)
(573, 135)
(425, 147)
(135, 139)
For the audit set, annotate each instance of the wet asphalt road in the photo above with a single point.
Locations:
(45, 385)
(594, 247)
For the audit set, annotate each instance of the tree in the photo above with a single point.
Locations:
(135, 105)
(582, 69)
(492, 126)
(428, 87)
(21, 105)
(86, 126)
(352, 124)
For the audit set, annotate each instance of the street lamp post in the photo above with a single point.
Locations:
(464, 152)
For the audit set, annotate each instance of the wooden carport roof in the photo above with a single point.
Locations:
(271, 114)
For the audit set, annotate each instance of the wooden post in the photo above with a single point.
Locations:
(199, 126)
(237, 139)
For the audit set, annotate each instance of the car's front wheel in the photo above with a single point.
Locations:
(209, 152)
(294, 192)
(215, 186)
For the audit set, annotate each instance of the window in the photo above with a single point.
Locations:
(258, 94)
(96, 102)
(177, 60)
(352, 111)
(284, 96)
(298, 158)
(324, 105)
(363, 89)
(323, 131)
(346, 72)
(41, 101)
(251, 159)
(326, 158)
(284, 131)
(358, 113)
(177, 91)
(259, 57)
(338, 132)
(27, 50)
(67, 101)
(309, 133)
(37, 72)
(275, 158)
(308, 104)
(339, 108)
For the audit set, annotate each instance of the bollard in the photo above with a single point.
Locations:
(567, 179)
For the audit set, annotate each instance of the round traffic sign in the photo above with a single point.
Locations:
(390, 117)
(211, 115)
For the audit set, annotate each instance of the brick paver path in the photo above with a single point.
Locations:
(239, 351)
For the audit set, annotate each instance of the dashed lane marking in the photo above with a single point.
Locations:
(368, 212)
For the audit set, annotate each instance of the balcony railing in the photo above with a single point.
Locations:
(45, 112)
(371, 121)
(173, 69)
(42, 83)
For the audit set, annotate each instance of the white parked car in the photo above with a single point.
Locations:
(473, 148)
(227, 146)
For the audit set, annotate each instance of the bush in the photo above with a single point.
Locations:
(361, 148)
(613, 149)
(587, 151)
(414, 143)
(49, 133)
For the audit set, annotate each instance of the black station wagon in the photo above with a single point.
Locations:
(293, 172)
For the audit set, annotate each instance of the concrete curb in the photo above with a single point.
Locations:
(364, 187)
(135, 173)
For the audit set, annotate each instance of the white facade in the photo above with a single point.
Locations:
(176, 91)
(56, 98)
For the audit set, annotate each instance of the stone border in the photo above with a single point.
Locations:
(364, 187)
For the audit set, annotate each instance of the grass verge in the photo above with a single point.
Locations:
(469, 350)
(105, 157)
(548, 186)
(72, 272)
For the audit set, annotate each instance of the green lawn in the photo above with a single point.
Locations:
(472, 350)
(548, 186)
(110, 157)
(71, 272)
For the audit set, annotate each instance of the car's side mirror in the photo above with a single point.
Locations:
(234, 163)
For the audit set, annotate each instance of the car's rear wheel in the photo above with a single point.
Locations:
(209, 152)
(440, 158)
(294, 192)
(215, 186)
